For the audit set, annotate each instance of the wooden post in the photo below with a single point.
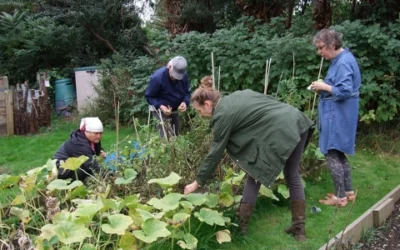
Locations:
(10, 113)
(45, 118)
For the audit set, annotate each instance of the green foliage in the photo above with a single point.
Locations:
(376, 49)
(124, 78)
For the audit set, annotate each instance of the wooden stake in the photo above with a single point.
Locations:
(277, 88)
(267, 70)
(219, 75)
(212, 68)
(136, 131)
(315, 94)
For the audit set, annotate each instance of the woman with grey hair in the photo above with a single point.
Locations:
(337, 113)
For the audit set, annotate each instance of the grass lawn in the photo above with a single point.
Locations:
(375, 174)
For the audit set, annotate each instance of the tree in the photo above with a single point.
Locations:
(322, 14)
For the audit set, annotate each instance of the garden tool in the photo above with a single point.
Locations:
(244, 212)
(297, 229)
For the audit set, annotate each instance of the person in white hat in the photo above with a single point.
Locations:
(84, 141)
(169, 92)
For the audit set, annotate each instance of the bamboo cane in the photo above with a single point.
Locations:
(219, 75)
(315, 94)
(212, 68)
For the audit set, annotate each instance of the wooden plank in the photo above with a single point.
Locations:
(354, 231)
(10, 113)
(3, 116)
(383, 211)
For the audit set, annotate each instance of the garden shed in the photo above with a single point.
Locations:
(86, 79)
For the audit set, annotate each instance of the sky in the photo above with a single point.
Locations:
(147, 10)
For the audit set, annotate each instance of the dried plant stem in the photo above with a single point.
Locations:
(293, 74)
(348, 215)
(162, 124)
(277, 88)
(117, 130)
(219, 76)
(331, 225)
(136, 131)
(315, 94)
(267, 71)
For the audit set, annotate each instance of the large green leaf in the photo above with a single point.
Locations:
(152, 230)
(179, 218)
(188, 242)
(47, 232)
(59, 184)
(223, 236)
(88, 247)
(74, 163)
(212, 200)
(145, 214)
(131, 201)
(171, 180)
(128, 242)
(264, 191)
(113, 204)
(70, 232)
(20, 199)
(226, 200)
(22, 214)
(79, 192)
(226, 188)
(62, 216)
(8, 180)
(129, 175)
(236, 179)
(168, 203)
(284, 191)
(211, 217)
(85, 212)
(187, 206)
(118, 224)
(196, 198)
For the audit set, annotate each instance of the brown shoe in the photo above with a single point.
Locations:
(298, 220)
(244, 212)
(332, 200)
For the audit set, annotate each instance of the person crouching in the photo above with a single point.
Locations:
(84, 141)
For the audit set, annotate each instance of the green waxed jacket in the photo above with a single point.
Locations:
(258, 132)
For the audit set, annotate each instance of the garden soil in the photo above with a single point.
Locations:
(388, 236)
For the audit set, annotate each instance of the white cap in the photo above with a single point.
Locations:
(91, 124)
(178, 65)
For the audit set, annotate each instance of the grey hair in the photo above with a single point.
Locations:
(329, 37)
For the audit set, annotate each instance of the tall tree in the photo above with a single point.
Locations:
(322, 14)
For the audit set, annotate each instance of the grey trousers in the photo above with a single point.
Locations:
(171, 123)
(291, 172)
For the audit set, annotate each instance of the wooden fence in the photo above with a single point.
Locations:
(6, 113)
(23, 110)
(31, 109)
